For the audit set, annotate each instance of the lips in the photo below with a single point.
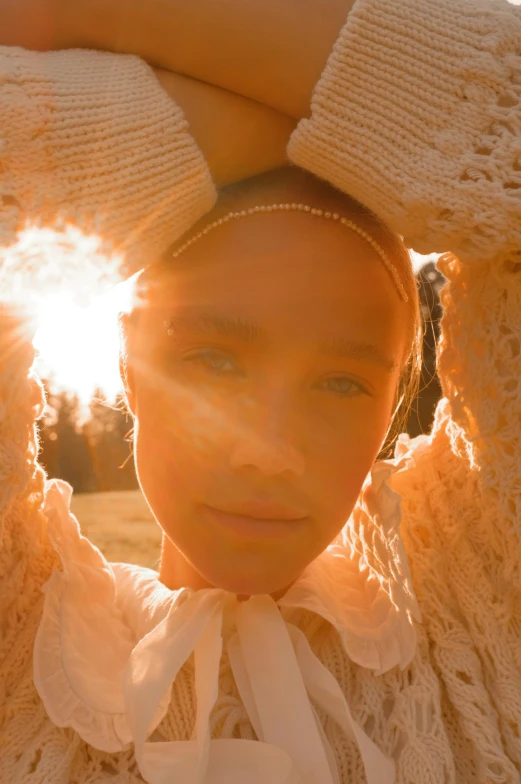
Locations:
(249, 529)
(262, 510)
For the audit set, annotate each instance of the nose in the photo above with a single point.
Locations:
(267, 446)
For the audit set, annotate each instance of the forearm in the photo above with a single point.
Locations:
(91, 139)
(417, 116)
(237, 136)
(272, 51)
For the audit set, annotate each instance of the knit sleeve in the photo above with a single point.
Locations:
(91, 139)
(418, 116)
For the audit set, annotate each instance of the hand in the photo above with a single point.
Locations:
(272, 51)
(238, 137)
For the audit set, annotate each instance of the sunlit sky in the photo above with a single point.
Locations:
(77, 337)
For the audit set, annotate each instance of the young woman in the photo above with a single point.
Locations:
(228, 421)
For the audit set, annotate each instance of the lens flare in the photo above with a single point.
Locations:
(77, 344)
(70, 292)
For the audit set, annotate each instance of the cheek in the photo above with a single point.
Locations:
(341, 458)
(179, 435)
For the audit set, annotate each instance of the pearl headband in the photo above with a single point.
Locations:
(312, 211)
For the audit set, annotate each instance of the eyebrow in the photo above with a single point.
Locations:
(213, 323)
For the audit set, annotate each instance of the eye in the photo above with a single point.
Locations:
(345, 386)
(214, 361)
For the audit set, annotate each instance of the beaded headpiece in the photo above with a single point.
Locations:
(312, 211)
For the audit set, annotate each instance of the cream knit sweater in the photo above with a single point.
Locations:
(418, 114)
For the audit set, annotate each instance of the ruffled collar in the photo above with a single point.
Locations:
(113, 638)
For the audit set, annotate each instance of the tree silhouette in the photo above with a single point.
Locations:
(107, 433)
(64, 450)
(92, 455)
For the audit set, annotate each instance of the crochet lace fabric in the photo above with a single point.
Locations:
(418, 116)
(462, 511)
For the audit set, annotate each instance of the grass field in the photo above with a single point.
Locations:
(121, 525)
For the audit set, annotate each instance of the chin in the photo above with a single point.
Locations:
(251, 584)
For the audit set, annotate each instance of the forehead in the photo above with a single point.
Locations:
(296, 276)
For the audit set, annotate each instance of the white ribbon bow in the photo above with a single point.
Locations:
(276, 673)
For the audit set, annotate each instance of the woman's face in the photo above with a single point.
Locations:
(270, 398)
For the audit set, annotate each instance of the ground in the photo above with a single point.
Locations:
(121, 525)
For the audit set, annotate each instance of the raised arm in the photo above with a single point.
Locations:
(418, 115)
(239, 137)
(92, 139)
(96, 139)
(272, 51)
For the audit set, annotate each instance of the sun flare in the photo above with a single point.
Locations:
(71, 290)
(78, 345)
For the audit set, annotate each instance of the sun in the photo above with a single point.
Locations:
(77, 345)
(72, 291)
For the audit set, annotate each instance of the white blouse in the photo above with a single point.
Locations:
(112, 639)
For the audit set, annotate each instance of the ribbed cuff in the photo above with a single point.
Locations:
(415, 116)
(91, 138)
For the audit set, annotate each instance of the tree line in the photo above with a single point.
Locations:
(93, 454)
